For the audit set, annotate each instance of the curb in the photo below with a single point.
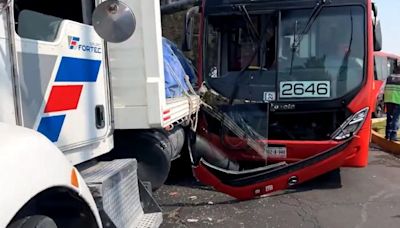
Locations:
(378, 120)
(386, 145)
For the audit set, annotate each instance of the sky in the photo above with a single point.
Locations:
(389, 14)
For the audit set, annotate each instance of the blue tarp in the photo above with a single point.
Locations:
(176, 66)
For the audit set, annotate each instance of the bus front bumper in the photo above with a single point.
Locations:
(249, 184)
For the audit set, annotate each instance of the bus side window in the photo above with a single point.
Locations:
(391, 64)
(385, 69)
(41, 19)
(379, 72)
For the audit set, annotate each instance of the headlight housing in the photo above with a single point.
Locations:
(351, 126)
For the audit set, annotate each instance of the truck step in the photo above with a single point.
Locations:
(121, 198)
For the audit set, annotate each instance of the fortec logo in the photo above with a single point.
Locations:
(75, 43)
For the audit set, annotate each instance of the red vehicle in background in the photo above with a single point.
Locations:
(384, 65)
(287, 86)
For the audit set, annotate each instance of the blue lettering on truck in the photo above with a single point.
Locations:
(74, 43)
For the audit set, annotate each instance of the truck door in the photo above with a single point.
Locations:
(61, 69)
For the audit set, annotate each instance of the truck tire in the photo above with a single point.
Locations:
(35, 221)
(151, 149)
(155, 164)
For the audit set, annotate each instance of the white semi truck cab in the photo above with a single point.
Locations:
(60, 116)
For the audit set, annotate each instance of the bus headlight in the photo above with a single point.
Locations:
(351, 126)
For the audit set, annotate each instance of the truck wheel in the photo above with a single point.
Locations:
(153, 165)
(35, 221)
(151, 149)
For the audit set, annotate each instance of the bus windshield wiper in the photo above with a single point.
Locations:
(345, 62)
(296, 42)
(314, 15)
(249, 22)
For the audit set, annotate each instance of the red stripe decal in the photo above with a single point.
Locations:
(63, 98)
(166, 118)
(166, 112)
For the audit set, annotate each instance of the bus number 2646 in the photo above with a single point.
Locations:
(305, 89)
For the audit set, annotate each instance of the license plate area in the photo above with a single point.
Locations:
(276, 152)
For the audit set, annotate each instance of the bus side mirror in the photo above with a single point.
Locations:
(377, 36)
(114, 21)
(189, 28)
(375, 10)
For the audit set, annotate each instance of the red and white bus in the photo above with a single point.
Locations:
(384, 65)
(295, 77)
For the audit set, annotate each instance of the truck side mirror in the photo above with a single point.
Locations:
(189, 28)
(114, 21)
(377, 36)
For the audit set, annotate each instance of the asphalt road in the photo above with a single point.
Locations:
(368, 197)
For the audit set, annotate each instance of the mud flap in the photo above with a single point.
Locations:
(249, 184)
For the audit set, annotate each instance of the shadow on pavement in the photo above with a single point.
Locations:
(331, 180)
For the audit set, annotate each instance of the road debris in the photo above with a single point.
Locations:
(173, 193)
(192, 220)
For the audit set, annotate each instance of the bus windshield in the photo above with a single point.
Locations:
(285, 62)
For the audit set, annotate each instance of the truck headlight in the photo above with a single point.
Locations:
(351, 126)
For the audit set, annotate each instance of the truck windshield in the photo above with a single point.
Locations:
(326, 63)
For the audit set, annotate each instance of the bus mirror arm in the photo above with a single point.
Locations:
(375, 10)
(189, 28)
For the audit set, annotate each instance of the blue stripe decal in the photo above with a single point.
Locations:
(51, 127)
(78, 70)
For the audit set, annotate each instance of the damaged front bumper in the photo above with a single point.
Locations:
(249, 184)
